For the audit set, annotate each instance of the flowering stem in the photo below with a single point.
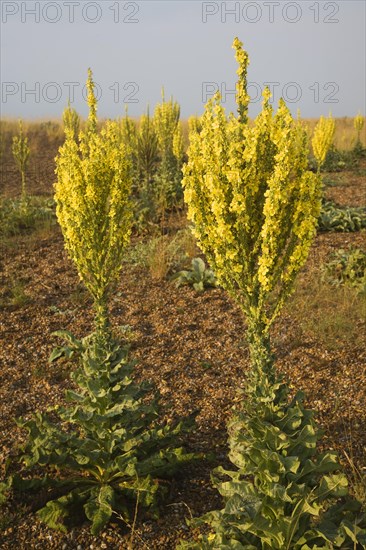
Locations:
(102, 323)
(262, 360)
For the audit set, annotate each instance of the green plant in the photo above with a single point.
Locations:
(322, 139)
(341, 218)
(21, 151)
(72, 121)
(357, 481)
(15, 294)
(168, 187)
(147, 162)
(16, 220)
(163, 254)
(254, 206)
(347, 267)
(156, 151)
(337, 160)
(284, 494)
(199, 276)
(358, 123)
(106, 448)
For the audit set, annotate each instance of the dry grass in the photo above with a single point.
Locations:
(333, 315)
(163, 254)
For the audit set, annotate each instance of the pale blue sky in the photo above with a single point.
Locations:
(314, 51)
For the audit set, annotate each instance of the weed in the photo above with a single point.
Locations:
(347, 267)
(344, 219)
(21, 151)
(163, 254)
(15, 295)
(199, 276)
(17, 220)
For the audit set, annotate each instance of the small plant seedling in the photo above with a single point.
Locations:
(200, 277)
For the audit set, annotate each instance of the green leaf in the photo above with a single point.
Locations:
(57, 510)
(198, 266)
(69, 337)
(99, 508)
(5, 487)
(332, 486)
(198, 286)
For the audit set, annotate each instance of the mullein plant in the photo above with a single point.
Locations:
(254, 206)
(92, 204)
(171, 153)
(194, 124)
(358, 123)
(21, 152)
(105, 448)
(156, 151)
(128, 138)
(322, 140)
(71, 121)
(147, 163)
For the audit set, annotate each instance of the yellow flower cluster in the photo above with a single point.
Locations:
(253, 203)
(323, 139)
(168, 129)
(194, 124)
(359, 122)
(92, 200)
(72, 121)
(128, 130)
(21, 152)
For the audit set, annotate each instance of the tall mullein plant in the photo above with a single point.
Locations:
(322, 139)
(254, 205)
(21, 152)
(168, 130)
(358, 123)
(92, 205)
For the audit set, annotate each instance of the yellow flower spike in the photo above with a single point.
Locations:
(21, 152)
(253, 203)
(323, 139)
(92, 203)
(359, 122)
(242, 97)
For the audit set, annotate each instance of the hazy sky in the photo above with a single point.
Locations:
(311, 53)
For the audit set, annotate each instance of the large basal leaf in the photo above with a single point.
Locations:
(99, 507)
(56, 510)
(334, 486)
